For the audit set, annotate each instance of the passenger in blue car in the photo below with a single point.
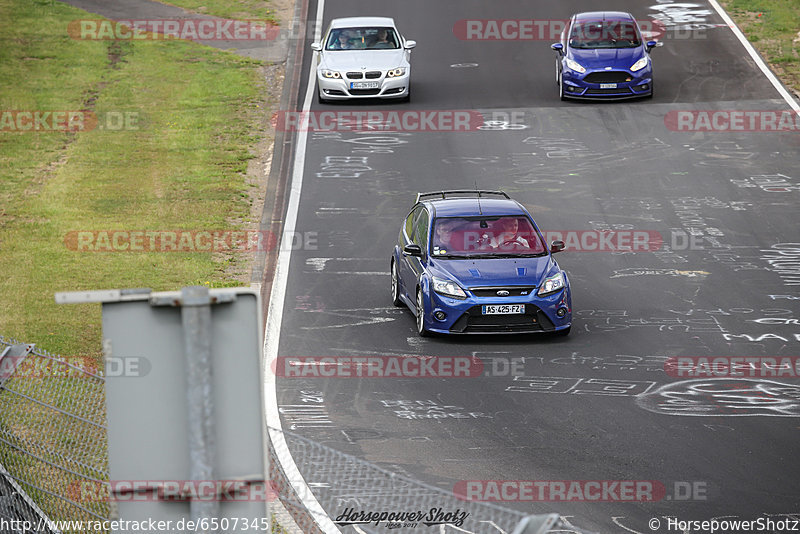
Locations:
(445, 237)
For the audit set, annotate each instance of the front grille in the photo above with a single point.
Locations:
(473, 322)
(610, 76)
(364, 92)
(621, 91)
(355, 75)
(514, 291)
(371, 75)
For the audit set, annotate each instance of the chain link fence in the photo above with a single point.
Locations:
(344, 485)
(53, 441)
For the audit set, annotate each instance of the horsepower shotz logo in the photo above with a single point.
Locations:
(434, 516)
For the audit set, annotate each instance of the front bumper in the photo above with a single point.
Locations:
(576, 85)
(465, 316)
(341, 88)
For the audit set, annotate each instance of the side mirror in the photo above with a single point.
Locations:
(412, 250)
(650, 45)
(556, 246)
(409, 45)
(316, 47)
(558, 47)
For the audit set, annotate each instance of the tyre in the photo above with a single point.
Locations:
(564, 333)
(395, 286)
(421, 315)
(561, 88)
(320, 99)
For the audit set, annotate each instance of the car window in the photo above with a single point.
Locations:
(362, 38)
(604, 34)
(474, 236)
(409, 224)
(421, 231)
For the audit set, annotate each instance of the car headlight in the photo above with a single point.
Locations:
(399, 71)
(639, 65)
(575, 66)
(551, 284)
(330, 74)
(448, 288)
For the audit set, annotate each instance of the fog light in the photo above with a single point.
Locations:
(440, 315)
(644, 87)
(561, 312)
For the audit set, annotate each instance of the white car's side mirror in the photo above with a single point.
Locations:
(410, 44)
(317, 47)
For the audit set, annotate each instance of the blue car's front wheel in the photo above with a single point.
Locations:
(395, 286)
(421, 314)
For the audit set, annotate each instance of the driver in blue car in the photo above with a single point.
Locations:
(507, 236)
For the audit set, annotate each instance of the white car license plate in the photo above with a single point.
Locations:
(608, 86)
(503, 309)
(364, 85)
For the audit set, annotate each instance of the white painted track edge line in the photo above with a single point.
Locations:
(754, 55)
(275, 316)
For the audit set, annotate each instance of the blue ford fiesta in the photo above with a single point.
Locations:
(602, 55)
(474, 262)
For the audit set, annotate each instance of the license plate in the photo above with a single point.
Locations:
(503, 309)
(608, 86)
(364, 85)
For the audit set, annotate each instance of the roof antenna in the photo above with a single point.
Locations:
(480, 210)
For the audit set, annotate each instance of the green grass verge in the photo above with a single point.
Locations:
(182, 167)
(239, 10)
(773, 26)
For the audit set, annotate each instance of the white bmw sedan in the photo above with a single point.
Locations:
(363, 57)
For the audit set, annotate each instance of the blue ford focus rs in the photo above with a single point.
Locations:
(601, 55)
(474, 262)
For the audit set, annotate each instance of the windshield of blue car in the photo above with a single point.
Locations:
(604, 34)
(362, 38)
(491, 237)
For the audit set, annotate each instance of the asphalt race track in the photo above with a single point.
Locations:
(597, 405)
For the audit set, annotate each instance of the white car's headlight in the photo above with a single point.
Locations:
(330, 74)
(551, 284)
(448, 288)
(639, 65)
(575, 66)
(399, 71)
